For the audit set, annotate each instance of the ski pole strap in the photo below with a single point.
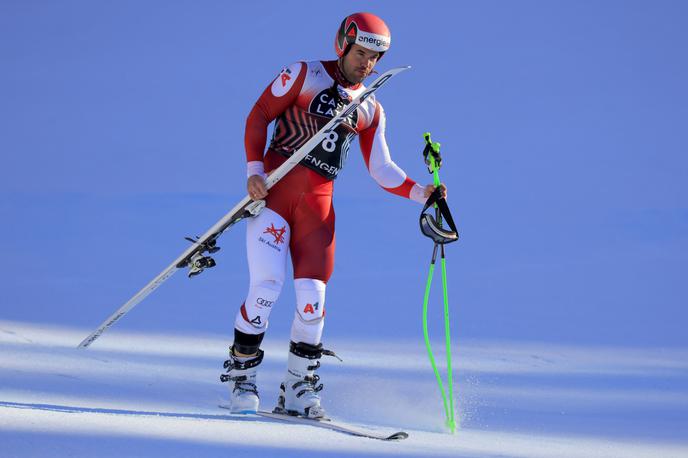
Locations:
(432, 228)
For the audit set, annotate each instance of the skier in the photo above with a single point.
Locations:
(299, 216)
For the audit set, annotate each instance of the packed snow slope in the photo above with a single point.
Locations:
(145, 395)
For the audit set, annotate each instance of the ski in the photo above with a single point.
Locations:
(195, 257)
(330, 424)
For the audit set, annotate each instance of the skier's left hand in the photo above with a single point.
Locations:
(431, 187)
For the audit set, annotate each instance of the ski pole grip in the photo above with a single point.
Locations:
(431, 153)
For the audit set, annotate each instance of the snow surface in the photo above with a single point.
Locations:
(138, 394)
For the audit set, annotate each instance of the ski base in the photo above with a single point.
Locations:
(327, 423)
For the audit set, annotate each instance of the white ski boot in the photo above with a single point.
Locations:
(300, 391)
(242, 371)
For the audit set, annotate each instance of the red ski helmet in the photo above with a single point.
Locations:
(364, 29)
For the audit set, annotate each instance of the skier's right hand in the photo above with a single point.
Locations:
(256, 187)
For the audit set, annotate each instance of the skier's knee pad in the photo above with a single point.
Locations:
(310, 311)
(310, 299)
(254, 313)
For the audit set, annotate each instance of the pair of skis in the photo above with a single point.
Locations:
(196, 258)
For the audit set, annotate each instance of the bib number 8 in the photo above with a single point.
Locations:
(330, 142)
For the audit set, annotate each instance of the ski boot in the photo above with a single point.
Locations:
(300, 391)
(242, 371)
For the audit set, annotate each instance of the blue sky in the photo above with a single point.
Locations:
(563, 127)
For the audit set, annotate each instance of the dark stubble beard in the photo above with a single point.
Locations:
(351, 78)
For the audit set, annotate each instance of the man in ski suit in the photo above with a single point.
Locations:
(299, 217)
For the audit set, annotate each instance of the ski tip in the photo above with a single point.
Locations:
(398, 436)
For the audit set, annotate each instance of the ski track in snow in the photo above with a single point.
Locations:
(135, 394)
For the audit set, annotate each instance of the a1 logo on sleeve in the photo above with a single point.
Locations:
(284, 80)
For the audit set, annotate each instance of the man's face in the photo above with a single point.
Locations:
(358, 63)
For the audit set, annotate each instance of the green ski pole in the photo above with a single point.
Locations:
(433, 229)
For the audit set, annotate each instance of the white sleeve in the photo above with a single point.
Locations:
(255, 168)
(380, 165)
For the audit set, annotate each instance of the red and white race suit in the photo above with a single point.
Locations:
(299, 216)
